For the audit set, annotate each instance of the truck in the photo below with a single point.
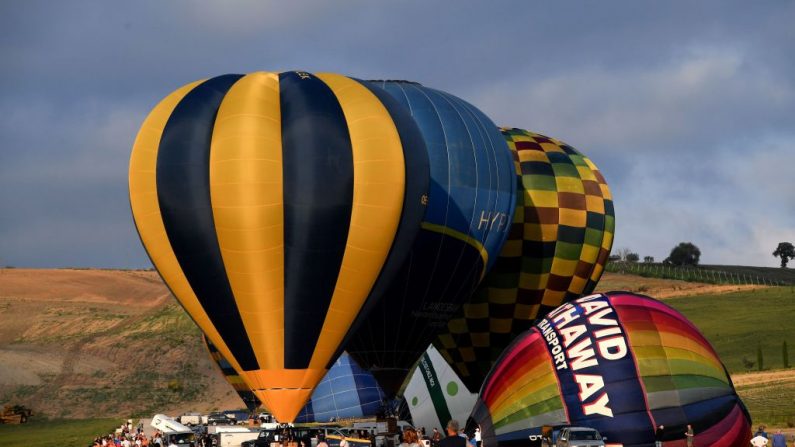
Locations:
(173, 431)
(574, 437)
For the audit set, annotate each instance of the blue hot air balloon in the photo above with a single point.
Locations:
(469, 208)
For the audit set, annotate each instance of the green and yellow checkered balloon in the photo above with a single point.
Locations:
(559, 242)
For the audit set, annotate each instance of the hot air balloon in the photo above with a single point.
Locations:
(435, 394)
(272, 204)
(557, 247)
(347, 391)
(470, 200)
(617, 362)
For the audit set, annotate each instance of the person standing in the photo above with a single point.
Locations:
(410, 438)
(779, 440)
(659, 434)
(436, 437)
(453, 439)
(477, 436)
(759, 441)
(690, 435)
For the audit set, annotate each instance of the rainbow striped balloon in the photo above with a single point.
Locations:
(618, 362)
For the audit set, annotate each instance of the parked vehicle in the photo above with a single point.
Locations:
(190, 419)
(235, 436)
(15, 414)
(173, 431)
(238, 416)
(579, 437)
(219, 419)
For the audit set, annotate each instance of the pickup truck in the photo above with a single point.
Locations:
(575, 437)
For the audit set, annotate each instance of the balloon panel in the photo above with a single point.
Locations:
(347, 391)
(620, 363)
(466, 220)
(435, 394)
(559, 241)
(270, 204)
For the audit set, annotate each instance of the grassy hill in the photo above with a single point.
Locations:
(89, 343)
(738, 320)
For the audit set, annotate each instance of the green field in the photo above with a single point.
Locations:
(55, 433)
(736, 323)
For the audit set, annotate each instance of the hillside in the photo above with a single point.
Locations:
(98, 343)
(85, 343)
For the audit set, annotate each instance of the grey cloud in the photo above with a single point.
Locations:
(687, 108)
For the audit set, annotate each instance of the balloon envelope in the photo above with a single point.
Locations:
(620, 363)
(435, 394)
(468, 208)
(557, 247)
(347, 391)
(271, 204)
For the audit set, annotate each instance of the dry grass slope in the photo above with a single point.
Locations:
(89, 343)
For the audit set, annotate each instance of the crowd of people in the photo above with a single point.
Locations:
(125, 436)
(761, 438)
(129, 436)
(455, 437)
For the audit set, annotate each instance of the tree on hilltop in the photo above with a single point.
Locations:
(686, 253)
(785, 251)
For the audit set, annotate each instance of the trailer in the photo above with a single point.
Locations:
(235, 436)
(173, 431)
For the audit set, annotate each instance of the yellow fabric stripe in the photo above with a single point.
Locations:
(146, 212)
(461, 237)
(246, 195)
(379, 181)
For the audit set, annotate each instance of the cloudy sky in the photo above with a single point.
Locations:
(687, 107)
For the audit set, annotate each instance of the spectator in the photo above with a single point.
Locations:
(453, 439)
(779, 440)
(690, 435)
(761, 432)
(435, 437)
(410, 438)
(659, 435)
(759, 441)
(477, 437)
(321, 440)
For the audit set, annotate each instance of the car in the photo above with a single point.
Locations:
(219, 419)
(579, 437)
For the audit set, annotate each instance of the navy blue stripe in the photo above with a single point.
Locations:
(415, 156)
(318, 198)
(621, 383)
(183, 190)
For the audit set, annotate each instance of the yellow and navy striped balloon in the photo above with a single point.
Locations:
(271, 204)
(556, 251)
